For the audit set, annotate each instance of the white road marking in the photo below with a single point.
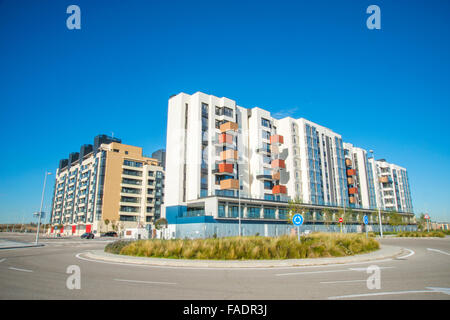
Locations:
(408, 255)
(441, 290)
(436, 250)
(148, 282)
(2, 260)
(343, 281)
(18, 269)
(327, 271)
(380, 294)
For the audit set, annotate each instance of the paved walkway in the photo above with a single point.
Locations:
(8, 244)
(385, 252)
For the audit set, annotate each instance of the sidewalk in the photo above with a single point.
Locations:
(386, 251)
(8, 244)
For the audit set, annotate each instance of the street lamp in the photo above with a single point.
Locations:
(239, 196)
(42, 203)
(379, 210)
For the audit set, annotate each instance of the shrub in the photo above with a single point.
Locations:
(116, 246)
(421, 234)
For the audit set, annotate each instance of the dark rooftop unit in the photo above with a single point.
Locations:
(160, 155)
(87, 149)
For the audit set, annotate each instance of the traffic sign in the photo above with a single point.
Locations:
(297, 219)
(426, 216)
(341, 220)
(366, 220)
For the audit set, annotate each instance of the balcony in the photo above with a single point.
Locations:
(263, 176)
(229, 127)
(350, 180)
(265, 151)
(229, 184)
(348, 162)
(276, 139)
(351, 172)
(229, 155)
(352, 190)
(224, 168)
(352, 199)
(274, 149)
(279, 189)
(276, 175)
(278, 164)
(385, 179)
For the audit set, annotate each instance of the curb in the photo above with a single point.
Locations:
(386, 251)
(23, 246)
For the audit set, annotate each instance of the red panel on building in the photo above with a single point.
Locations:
(88, 227)
(225, 138)
(278, 163)
(276, 139)
(226, 167)
(351, 172)
(74, 229)
(279, 189)
(62, 230)
(352, 190)
(52, 230)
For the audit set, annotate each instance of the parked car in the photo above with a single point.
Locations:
(87, 235)
(109, 234)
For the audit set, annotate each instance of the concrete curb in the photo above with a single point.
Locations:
(23, 246)
(386, 251)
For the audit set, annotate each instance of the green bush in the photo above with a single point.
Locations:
(253, 247)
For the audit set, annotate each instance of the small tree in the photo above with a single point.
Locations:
(114, 225)
(161, 224)
(106, 223)
(395, 219)
(295, 207)
(327, 217)
(421, 222)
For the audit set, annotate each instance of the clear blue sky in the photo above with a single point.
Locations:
(386, 90)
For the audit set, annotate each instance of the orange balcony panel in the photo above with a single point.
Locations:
(279, 189)
(351, 172)
(350, 180)
(278, 163)
(225, 138)
(229, 155)
(276, 175)
(352, 190)
(384, 179)
(274, 149)
(348, 162)
(276, 139)
(226, 167)
(228, 126)
(352, 199)
(229, 184)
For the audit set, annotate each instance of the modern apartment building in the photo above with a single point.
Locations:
(106, 181)
(392, 188)
(221, 156)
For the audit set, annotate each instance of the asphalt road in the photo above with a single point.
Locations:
(40, 273)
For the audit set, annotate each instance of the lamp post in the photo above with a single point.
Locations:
(379, 209)
(239, 208)
(42, 203)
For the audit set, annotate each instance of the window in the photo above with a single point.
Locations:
(218, 111)
(228, 112)
(127, 218)
(131, 181)
(266, 135)
(233, 211)
(221, 211)
(205, 109)
(268, 185)
(131, 163)
(265, 123)
(269, 213)
(253, 212)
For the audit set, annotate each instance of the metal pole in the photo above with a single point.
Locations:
(379, 218)
(298, 233)
(40, 210)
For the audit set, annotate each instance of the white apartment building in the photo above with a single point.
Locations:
(216, 148)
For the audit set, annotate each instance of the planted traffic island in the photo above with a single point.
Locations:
(421, 234)
(316, 245)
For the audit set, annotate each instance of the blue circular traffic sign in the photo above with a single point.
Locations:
(366, 220)
(297, 219)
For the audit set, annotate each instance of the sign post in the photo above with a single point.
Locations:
(340, 222)
(428, 219)
(366, 222)
(297, 220)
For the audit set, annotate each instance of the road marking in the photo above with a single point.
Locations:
(18, 269)
(408, 255)
(436, 250)
(327, 271)
(381, 294)
(441, 290)
(149, 282)
(343, 281)
(2, 260)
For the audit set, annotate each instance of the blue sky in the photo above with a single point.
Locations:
(386, 90)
